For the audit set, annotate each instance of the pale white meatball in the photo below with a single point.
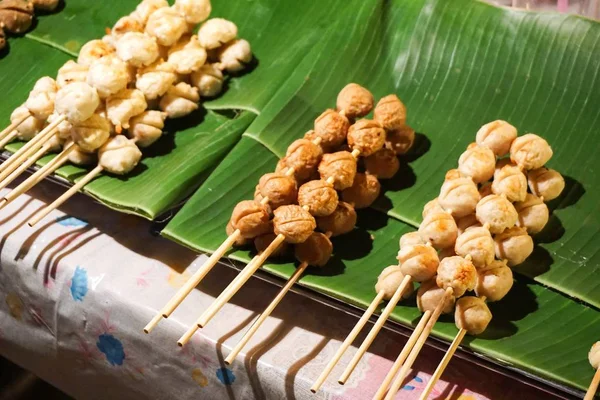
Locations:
(124, 105)
(389, 281)
(79, 157)
(194, 11)
(126, 24)
(459, 196)
(216, 32)
(94, 50)
(429, 296)
(478, 162)
(594, 355)
(147, 127)
(494, 283)
(498, 136)
(478, 243)
(187, 55)
(431, 206)
(28, 128)
(466, 222)
(234, 56)
(530, 151)
(533, 214)
(91, 133)
(119, 155)
(496, 212)
(156, 79)
(40, 102)
(108, 75)
(71, 72)
(513, 245)
(510, 181)
(180, 100)
(146, 8)
(419, 261)
(77, 101)
(439, 228)
(63, 129)
(208, 79)
(472, 314)
(456, 273)
(137, 49)
(410, 239)
(545, 183)
(166, 25)
(453, 174)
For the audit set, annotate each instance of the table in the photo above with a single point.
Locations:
(78, 288)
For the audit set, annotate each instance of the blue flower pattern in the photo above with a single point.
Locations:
(226, 376)
(411, 387)
(112, 348)
(71, 222)
(79, 284)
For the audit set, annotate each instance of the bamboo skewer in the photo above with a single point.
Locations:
(8, 138)
(589, 395)
(348, 341)
(417, 347)
(31, 146)
(39, 175)
(65, 196)
(14, 125)
(231, 289)
(265, 314)
(445, 361)
(5, 181)
(375, 329)
(402, 356)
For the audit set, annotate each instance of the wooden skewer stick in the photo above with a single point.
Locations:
(28, 163)
(445, 361)
(375, 329)
(402, 356)
(417, 348)
(230, 290)
(14, 125)
(66, 195)
(9, 138)
(265, 314)
(39, 175)
(31, 146)
(589, 395)
(348, 341)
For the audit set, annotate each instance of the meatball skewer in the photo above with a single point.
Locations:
(364, 137)
(594, 357)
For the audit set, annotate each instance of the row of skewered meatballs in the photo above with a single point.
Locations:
(476, 230)
(149, 59)
(302, 194)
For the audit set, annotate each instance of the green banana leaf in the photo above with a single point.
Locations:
(534, 328)
(457, 65)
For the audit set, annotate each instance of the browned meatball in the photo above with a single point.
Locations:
(400, 140)
(363, 191)
(315, 251)
(319, 196)
(341, 221)
(384, 164)
(304, 156)
(367, 136)
(258, 197)
(332, 128)
(263, 241)
(340, 166)
(241, 241)
(390, 112)
(251, 218)
(295, 223)
(279, 188)
(355, 101)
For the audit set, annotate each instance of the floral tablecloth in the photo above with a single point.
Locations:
(78, 288)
